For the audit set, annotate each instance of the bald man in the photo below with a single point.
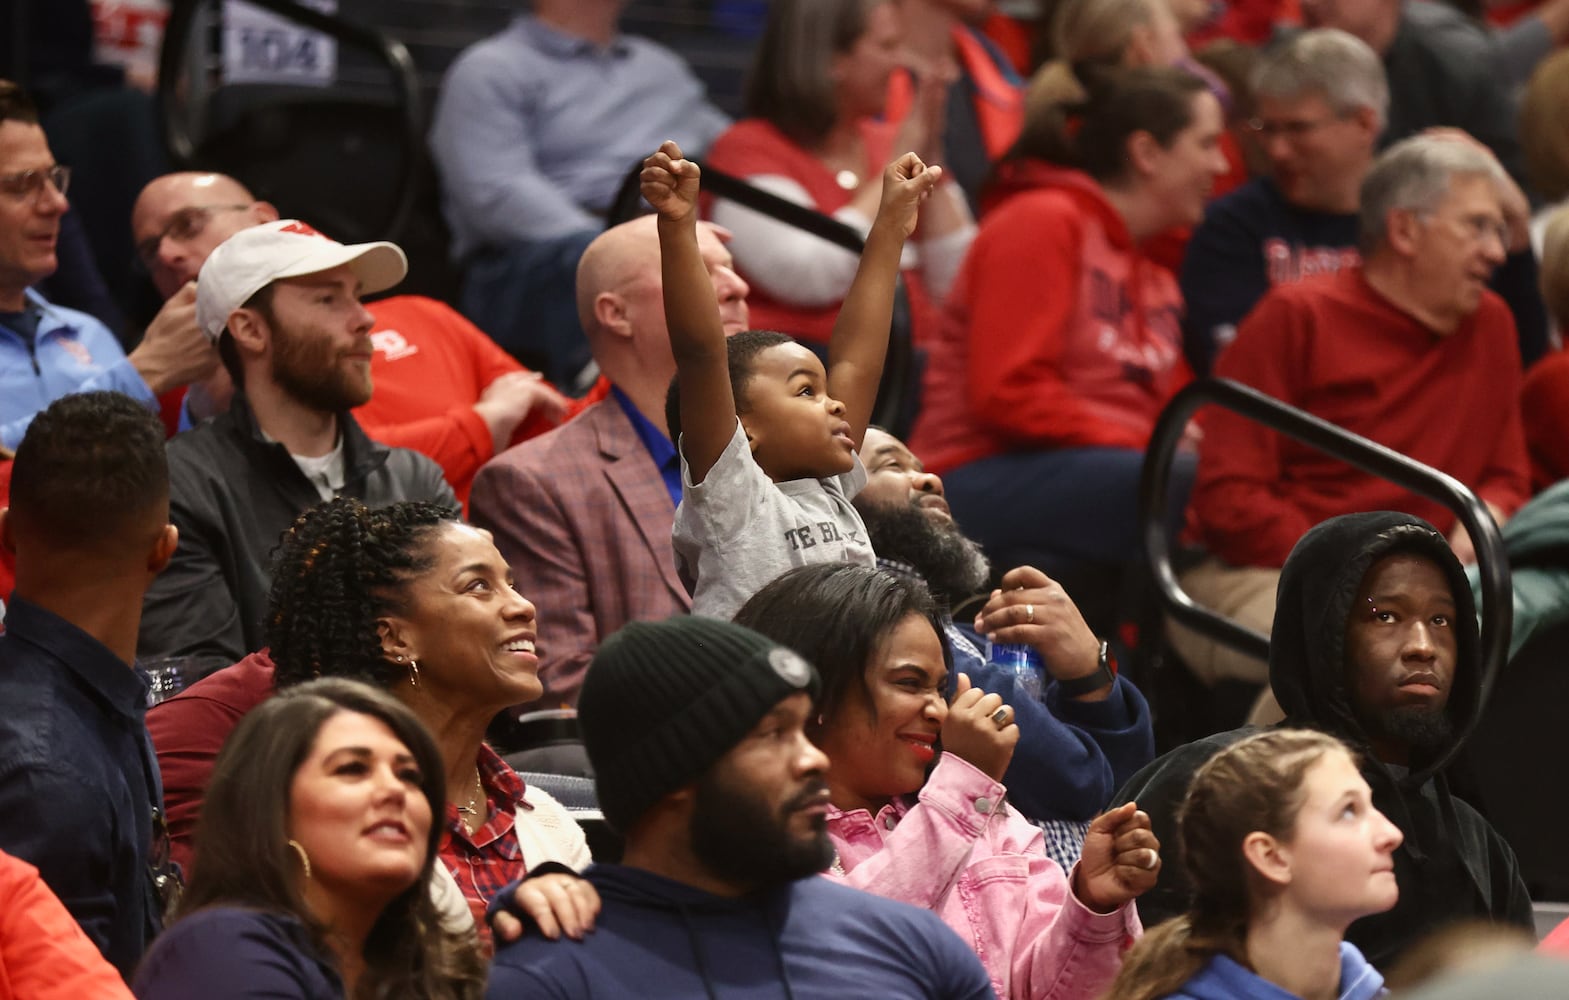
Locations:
(583, 513)
(442, 387)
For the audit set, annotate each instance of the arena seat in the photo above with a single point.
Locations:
(351, 160)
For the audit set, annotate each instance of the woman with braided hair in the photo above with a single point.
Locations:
(413, 601)
(1284, 849)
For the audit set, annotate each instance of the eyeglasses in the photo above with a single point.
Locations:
(26, 185)
(1293, 129)
(165, 876)
(1477, 228)
(186, 224)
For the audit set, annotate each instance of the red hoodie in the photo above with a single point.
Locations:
(44, 955)
(1059, 333)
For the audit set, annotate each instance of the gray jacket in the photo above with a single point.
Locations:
(232, 494)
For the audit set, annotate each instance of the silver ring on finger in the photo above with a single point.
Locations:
(1002, 716)
(1029, 613)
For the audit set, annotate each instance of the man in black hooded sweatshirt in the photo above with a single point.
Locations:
(1375, 640)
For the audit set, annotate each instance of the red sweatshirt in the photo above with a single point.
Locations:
(1334, 347)
(44, 955)
(1059, 333)
(430, 367)
(1544, 408)
(187, 732)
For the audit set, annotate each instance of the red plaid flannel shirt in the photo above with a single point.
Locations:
(486, 861)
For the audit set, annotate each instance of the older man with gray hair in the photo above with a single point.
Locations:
(1408, 348)
(1321, 101)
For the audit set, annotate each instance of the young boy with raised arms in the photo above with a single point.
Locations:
(767, 436)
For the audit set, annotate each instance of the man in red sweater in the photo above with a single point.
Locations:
(1410, 349)
(442, 387)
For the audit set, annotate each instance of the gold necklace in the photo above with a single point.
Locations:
(472, 809)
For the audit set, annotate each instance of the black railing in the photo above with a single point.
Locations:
(1497, 608)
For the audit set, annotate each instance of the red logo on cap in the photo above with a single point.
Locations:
(300, 228)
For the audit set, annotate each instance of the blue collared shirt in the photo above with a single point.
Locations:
(656, 442)
(78, 779)
(535, 130)
(71, 352)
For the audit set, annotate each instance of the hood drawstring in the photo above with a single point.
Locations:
(697, 950)
(775, 928)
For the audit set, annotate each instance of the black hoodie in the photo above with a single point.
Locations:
(1452, 864)
(810, 939)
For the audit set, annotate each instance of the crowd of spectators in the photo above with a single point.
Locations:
(287, 571)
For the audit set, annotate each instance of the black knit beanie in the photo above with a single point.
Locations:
(662, 701)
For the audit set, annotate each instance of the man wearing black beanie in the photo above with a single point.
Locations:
(696, 730)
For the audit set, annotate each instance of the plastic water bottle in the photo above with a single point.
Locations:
(1023, 663)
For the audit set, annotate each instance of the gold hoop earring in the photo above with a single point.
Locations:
(413, 672)
(305, 859)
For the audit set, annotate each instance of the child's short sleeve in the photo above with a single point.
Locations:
(717, 509)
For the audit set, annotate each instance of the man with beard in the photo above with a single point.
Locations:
(1375, 641)
(697, 732)
(1089, 730)
(282, 302)
(443, 388)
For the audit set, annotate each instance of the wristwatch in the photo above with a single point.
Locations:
(1090, 683)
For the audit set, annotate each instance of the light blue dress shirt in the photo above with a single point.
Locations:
(72, 352)
(535, 130)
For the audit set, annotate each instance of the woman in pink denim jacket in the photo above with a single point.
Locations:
(948, 842)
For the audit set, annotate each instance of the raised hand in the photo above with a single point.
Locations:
(907, 182)
(670, 183)
(1120, 861)
(980, 729)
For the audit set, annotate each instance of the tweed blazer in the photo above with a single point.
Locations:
(583, 517)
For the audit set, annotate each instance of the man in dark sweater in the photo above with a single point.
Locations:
(1323, 108)
(282, 302)
(696, 729)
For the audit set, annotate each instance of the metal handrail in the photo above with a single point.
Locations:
(899, 363)
(390, 51)
(1371, 457)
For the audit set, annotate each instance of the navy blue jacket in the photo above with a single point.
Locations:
(1072, 755)
(237, 954)
(1253, 239)
(808, 940)
(78, 779)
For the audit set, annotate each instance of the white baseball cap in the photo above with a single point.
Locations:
(254, 258)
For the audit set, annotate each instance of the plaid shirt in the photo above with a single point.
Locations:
(486, 861)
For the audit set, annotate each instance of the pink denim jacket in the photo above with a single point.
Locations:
(960, 851)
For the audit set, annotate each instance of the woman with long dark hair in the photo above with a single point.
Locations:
(317, 841)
